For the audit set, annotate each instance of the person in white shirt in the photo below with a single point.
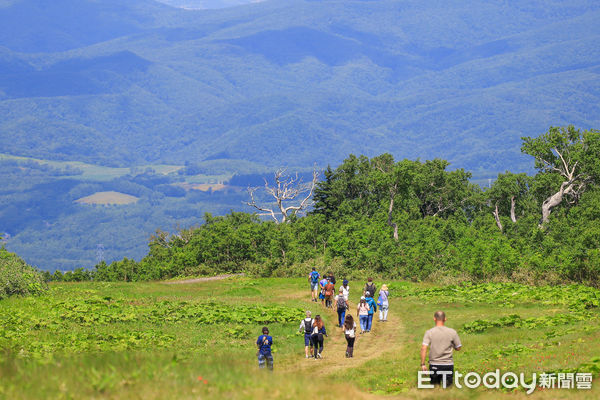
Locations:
(350, 333)
(306, 327)
(345, 289)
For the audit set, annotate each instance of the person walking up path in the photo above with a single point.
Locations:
(362, 313)
(318, 332)
(322, 284)
(383, 303)
(372, 309)
(441, 341)
(264, 343)
(306, 327)
(345, 289)
(329, 289)
(341, 305)
(313, 279)
(370, 287)
(350, 334)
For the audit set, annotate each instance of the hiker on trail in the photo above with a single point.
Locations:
(383, 303)
(322, 284)
(441, 341)
(345, 289)
(370, 287)
(329, 289)
(264, 343)
(362, 313)
(318, 331)
(350, 334)
(331, 277)
(341, 305)
(306, 327)
(313, 279)
(372, 309)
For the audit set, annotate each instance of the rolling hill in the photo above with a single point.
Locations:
(237, 86)
(141, 82)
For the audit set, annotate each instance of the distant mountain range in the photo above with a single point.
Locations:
(188, 92)
(293, 82)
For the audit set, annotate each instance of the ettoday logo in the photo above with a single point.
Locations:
(510, 380)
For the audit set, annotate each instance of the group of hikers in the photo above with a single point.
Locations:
(440, 340)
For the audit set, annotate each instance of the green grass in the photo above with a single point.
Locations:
(153, 340)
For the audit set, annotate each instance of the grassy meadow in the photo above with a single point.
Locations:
(196, 340)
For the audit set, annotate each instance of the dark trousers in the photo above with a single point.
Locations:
(317, 342)
(341, 316)
(437, 378)
(350, 348)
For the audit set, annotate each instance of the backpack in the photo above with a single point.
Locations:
(341, 303)
(308, 326)
(370, 288)
(314, 277)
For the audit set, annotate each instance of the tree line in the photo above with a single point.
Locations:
(409, 219)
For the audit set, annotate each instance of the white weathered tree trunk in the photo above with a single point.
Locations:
(554, 200)
(513, 217)
(496, 215)
(389, 221)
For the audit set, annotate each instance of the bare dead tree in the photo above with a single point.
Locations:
(573, 184)
(290, 194)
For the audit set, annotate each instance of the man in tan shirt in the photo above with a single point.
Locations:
(441, 341)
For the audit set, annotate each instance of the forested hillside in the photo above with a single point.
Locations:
(121, 83)
(127, 87)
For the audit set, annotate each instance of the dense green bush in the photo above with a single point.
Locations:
(18, 278)
(445, 227)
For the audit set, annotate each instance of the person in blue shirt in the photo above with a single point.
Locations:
(313, 279)
(322, 284)
(372, 309)
(264, 343)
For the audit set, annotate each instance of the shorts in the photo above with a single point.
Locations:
(307, 339)
(314, 286)
(321, 296)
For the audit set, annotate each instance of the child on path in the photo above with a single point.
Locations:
(362, 313)
(318, 331)
(264, 343)
(372, 309)
(322, 284)
(350, 334)
(383, 303)
(341, 305)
